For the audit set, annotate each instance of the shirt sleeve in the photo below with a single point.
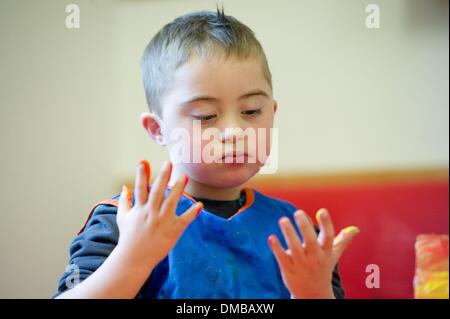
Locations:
(91, 247)
(336, 283)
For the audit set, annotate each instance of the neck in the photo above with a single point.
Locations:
(197, 189)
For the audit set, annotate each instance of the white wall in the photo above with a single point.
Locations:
(350, 98)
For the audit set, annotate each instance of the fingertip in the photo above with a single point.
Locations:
(125, 198)
(192, 213)
(322, 214)
(271, 240)
(283, 221)
(302, 216)
(199, 208)
(129, 193)
(346, 234)
(351, 230)
(146, 166)
(123, 194)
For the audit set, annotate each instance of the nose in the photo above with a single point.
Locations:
(232, 132)
(231, 135)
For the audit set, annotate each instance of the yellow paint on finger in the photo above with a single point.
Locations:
(351, 230)
(320, 214)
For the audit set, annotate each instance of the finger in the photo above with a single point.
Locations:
(309, 220)
(283, 259)
(159, 187)
(170, 203)
(147, 171)
(291, 237)
(124, 205)
(188, 216)
(344, 239)
(326, 234)
(141, 184)
(310, 242)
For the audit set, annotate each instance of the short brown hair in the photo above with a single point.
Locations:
(203, 33)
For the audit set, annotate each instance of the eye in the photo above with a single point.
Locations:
(204, 117)
(252, 112)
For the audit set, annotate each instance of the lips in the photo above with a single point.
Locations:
(235, 157)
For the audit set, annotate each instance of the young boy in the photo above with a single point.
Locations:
(196, 232)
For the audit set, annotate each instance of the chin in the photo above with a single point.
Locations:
(231, 175)
(222, 175)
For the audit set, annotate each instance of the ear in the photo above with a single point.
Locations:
(152, 125)
(275, 107)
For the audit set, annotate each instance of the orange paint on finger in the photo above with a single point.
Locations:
(129, 194)
(146, 165)
(200, 208)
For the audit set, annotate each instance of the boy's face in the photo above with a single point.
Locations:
(219, 94)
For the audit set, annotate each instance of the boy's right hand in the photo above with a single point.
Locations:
(150, 229)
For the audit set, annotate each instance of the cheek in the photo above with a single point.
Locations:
(263, 145)
(179, 141)
(185, 144)
(264, 136)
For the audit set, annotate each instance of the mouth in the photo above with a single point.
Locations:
(235, 157)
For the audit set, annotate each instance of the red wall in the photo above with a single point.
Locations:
(390, 216)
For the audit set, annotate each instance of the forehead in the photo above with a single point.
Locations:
(218, 76)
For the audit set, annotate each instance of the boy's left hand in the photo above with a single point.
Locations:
(307, 267)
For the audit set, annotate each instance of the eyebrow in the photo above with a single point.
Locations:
(207, 98)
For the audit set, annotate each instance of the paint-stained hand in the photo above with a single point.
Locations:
(307, 265)
(149, 229)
